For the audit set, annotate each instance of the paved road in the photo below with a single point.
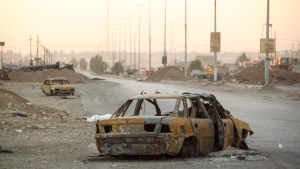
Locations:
(275, 120)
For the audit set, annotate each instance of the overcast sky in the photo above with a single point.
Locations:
(80, 25)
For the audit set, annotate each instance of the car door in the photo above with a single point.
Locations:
(202, 125)
(226, 122)
(47, 87)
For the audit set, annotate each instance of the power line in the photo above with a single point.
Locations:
(286, 39)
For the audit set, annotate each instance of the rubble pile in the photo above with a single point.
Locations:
(168, 73)
(17, 112)
(40, 76)
(256, 75)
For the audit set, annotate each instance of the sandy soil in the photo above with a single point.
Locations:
(54, 134)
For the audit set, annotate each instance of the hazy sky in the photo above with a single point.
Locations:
(81, 24)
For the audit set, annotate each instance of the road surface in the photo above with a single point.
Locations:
(274, 120)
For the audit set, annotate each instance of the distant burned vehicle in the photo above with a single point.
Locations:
(174, 124)
(55, 86)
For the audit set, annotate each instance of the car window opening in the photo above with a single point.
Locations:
(149, 127)
(165, 128)
(107, 129)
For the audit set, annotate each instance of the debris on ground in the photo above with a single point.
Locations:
(98, 117)
(294, 96)
(255, 75)
(168, 73)
(16, 112)
(40, 76)
(232, 154)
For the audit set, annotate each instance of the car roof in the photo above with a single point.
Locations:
(167, 96)
(57, 78)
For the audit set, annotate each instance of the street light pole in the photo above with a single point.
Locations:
(215, 53)
(125, 39)
(139, 37)
(106, 34)
(267, 59)
(149, 36)
(30, 61)
(120, 43)
(165, 52)
(130, 59)
(139, 5)
(185, 47)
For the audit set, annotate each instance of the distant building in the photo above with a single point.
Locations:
(206, 59)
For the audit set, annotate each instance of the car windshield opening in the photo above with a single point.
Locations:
(150, 107)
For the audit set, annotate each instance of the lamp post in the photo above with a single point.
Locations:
(139, 5)
(120, 43)
(149, 36)
(215, 53)
(107, 56)
(185, 47)
(267, 59)
(130, 38)
(125, 39)
(30, 61)
(215, 42)
(165, 52)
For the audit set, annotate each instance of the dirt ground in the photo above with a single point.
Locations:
(168, 73)
(40, 76)
(36, 134)
(38, 131)
(255, 75)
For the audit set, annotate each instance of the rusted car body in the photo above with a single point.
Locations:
(179, 124)
(55, 86)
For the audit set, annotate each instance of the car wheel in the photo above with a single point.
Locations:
(189, 148)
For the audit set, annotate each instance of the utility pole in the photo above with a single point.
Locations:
(165, 52)
(130, 65)
(185, 46)
(171, 48)
(30, 61)
(298, 51)
(149, 37)
(106, 34)
(120, 44)
(37, 48)
(44, 54)
(139, 5)
(275, 57)
(113, 47)
(125, 39)
(134, 64)
(215, 53)
(267, 59)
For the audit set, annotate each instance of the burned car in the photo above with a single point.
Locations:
(184, 124)
(55, 86)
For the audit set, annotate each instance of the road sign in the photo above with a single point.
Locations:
(267, 45)
(2, 43)
(215, 42)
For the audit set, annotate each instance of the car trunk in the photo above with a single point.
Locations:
(132, 136)
(129, 126)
